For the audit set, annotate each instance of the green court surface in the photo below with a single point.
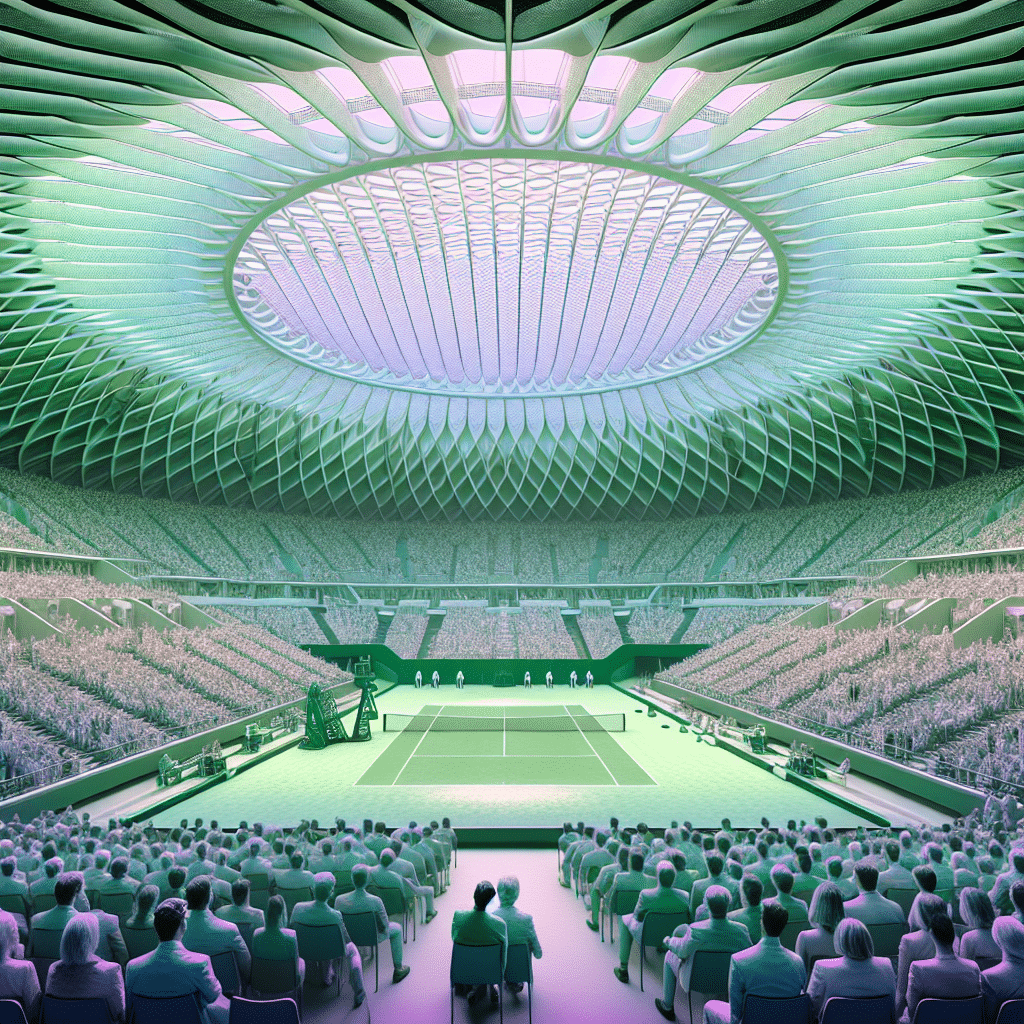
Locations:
(651, 772)
(430, 752)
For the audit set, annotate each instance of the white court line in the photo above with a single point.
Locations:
(587, 756)
(591, 745)
(417, 747)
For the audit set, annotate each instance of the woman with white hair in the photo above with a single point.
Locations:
(977, 943)
(825, 913)
(1005, 980)
(80, 973)
(18, 978)
(857, 973)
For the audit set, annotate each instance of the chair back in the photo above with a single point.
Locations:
(342, 883)
(12, 903)
(886, 938)
(263, 1011)
(624, 902)
(139, 941)
(362, 927)
(475, 965)
(985, 962)
(273, 977)
(75, 1011)
(1011, 1012)
(175, 1010)
(12, 1012)
(259, 889)
(790, 933)
(43, 901)
(225, 967)
(293, 896)
(771, 1010)
(119, 904)
(876, 1010)
(45, 943)
(659, 925)
(951, 1011)
(319, 941)
(707, 971)
(904, 897)
(392, 898)
(519, 964)
(246, 929)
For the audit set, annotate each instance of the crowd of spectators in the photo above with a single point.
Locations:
(531, 631)
(140, 912)
(602, 635)
(712, 625)
(826, 538)
(351, 624)
(930, 912)
(296, 625)
(405, 634)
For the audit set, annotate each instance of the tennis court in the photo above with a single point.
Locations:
(546, 745)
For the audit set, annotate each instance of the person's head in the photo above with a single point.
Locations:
(67, 887)
(752, 890)
(1017, 896)
(986, 865)
(240, 892)
(941, 930)
(892, 851)
(387, 857)
(508, 890)
(118, 868)
(53, 867)
(715, 864)
(1008, 934)
(774, 917)
(1017, 858)
(600, 838)
(935, 853)
(834, 867)
(782, 879)
(176, 877)
(483, 894)
(7, 866)
(360, 875)
(826, 910)
(197, 893)
(145, 900)
(717, 898)
(80, 939)
(636, 859)
(925, 877)
(666, 874)
(976, 908)
(622, 856)
(275, 911)
(853, 940)
(296, 861)
(805, 863)
(323, 885)
(867, 876)
(8, 935)
(926, 906)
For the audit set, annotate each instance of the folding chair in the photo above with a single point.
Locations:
(519, 971)
(707, 973)
(904, 897)
(625, 903)
(656, 928)
(139, 941)
(75, 1011)
(791, 931)
(395, 903)
(476, 965)
(876, 1010)
(886, 938)
(119, 904)
(173, 1010)
(43, 950)
(259, 890)
(12, 1012)
(263, 1011)
(1011, 1012)
(225, 967)
(775, 1010)
(275, 978)
(319, 942)
(950, 1011)
(362, 930)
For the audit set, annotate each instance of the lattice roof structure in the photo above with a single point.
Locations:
(511, 259)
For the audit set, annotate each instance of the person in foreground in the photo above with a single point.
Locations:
(856, 973)
(359, 901)
(766, 969)
(716, 933)
(172, 970)
(664, 899)
(518, 924)
(18, 978)
(478, 928)
(80, 973)
(1005, 980)
(943, 976)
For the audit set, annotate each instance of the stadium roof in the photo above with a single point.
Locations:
(524, 259)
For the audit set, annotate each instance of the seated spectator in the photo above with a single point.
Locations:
(172, 970)
(749, 914)
(80, 973)
(44, 886)
(239, 911)
(917, 944)
(318, 912)
(716, 933)
(945, 975)
(119, 881)
(17, 891)
(978, 914)
(834, 867)
(18, 978)
(175, 888)
(1017, 900)
(478, 928)
(783, 880)
(66, 889)
(145, 904)
(518, 924)
(359, 901)
(664, 899)
(766, 969)
(207, 934)
(806, 881)
(895, 875)
(1005, 980)
(716, 876)
(275, 942)
(825, 914)
(856, 973)
(397, 865)
(869, 907)
(605, 877)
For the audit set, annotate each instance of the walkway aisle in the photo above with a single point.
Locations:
(574, 979)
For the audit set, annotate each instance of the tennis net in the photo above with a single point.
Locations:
(510, 723)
